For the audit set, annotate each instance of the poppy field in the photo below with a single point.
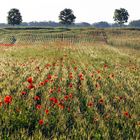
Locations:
(76, 87)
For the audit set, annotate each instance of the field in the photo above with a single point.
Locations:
(69, 84)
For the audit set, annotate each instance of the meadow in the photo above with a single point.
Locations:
(69, 84)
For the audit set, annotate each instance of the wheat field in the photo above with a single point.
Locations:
(69, 84)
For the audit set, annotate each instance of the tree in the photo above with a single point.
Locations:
(121, 16)
(67, 17)
(14, 17)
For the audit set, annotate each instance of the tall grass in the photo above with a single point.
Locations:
(72, 87)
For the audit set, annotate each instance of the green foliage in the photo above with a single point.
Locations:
(14, 17)
(121, 16)
(67, 17)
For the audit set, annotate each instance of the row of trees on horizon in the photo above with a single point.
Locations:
(67, 18)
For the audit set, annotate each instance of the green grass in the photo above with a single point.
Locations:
(90, 88)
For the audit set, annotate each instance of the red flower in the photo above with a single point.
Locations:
(70, 95)
(92, 75)
(70, 76)
(59, 89)
(81, 78)
(46, 81)
(49, 77)
(98, 71)
(66, 97)
(70, 85)
(38, 106)
(70, 73)
(23, 93)
(51, 91)
(36, 98)
(97, 85)
(47, 111)
(30, 80)
(42, 83)
(120, 97)
(101, 101)
(69, 109)
(126, 114)
(54, 100)
(111, 76)
(8, 99)
(80, 75)
(90, 104)
(61, 106)
(0, 104)
(48, 65)
(75, 68)
(31, 86)
(41, 122)
(105, 66)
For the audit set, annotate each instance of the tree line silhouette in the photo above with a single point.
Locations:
(67, 18)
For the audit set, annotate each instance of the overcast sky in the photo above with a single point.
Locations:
(85, 10)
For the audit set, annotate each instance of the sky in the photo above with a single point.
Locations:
(85, 10)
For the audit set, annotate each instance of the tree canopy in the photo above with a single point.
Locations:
(121, 16)
(14, 17)
(67, 17)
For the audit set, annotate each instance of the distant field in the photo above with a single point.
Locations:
(69, 84)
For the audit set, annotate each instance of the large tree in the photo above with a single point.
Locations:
(67, 17)
(14, 17)
(121, 16)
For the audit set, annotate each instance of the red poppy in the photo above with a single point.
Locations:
(98, 71)
(46, 81)
(30, 80)
(51, 91)
(38, 106)
(70, 95)
(31, 86)
(90, 104)
(81, 78)
(48, 65)
(47, 111)
(70, 76)
(105, 66)
(41, 122)
(97, 85)
(70, 73)
(42, 83)
(111, 76)
(92, 75)
(23, 93)
(49, 77)
(66, 97)
(54, 100)
(68, 108)
(0, 104)
(36, 98)
(70, 85)
(61, 106)
(8, 99)
(126, 114)
(101, 101)
(75, 68)
(120, 97)
(62, 101)
(59, 89)
(80, 75)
